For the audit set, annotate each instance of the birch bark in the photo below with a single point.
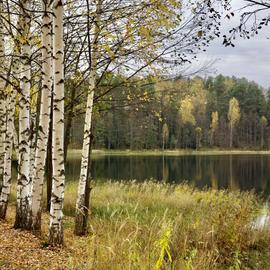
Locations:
(10, 104)
(2, 99)
(24, 184)
(4, 196)
(15, 136)
(44, 120)
(56, 213)
(82, 207)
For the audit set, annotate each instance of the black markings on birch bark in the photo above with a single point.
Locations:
(58, 183)
(82, 205)
(4, 196)
(23, 186)
(2, 101)
(44, 120)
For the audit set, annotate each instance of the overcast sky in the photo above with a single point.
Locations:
(249, 58)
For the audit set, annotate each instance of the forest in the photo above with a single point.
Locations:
(181, 113)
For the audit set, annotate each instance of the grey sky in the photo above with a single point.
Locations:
(249, 58)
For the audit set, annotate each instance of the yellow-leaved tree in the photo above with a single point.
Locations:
(233, 117)
(186, 111)
(213, 126)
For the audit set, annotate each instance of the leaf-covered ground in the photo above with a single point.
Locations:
(23, 250)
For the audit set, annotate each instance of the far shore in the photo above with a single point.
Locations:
(180, 152)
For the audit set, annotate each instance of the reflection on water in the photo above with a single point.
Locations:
(243, 172)
(263, 220)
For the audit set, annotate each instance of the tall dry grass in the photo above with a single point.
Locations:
(159, 226)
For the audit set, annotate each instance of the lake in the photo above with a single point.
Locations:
(244, 172)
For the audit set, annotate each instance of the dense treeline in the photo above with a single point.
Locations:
(181, 113)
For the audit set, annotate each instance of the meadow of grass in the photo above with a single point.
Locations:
(159, 226)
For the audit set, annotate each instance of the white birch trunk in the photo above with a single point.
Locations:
(2, 99)
(44, 121)
(3, 185)
(33, 136)
(4, 197)
(15, 139)
(81, 204)
(10, 95)
(23, 186)
(56, 236)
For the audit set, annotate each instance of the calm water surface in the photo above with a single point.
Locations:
(245, 172)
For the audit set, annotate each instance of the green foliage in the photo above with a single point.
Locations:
(134, 113)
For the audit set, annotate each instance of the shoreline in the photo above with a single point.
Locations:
(181, 152)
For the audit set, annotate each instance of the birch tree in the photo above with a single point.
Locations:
(56, 236)
(44, 119)
(81, 205)
(2, 118)
(23, 186)
(2, 98)
(10, 111)
(10, 88)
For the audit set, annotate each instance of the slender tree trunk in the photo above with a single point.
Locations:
(81, 208)
(163, 143)
(44, 121)
(49, 168)
(56, 236)
(231, 136)
(212, 138)
(24, 184)
(33, 138)
(4, 196)
(262, 137)
(69, 121)
(10, 95)
(49, 165)
(82, 205)
(2, 100)
(15, 139)
(81, 221)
